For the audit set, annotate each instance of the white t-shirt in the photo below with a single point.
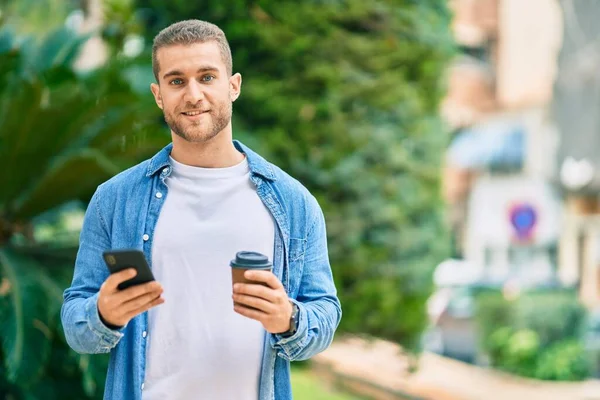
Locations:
(198, 347)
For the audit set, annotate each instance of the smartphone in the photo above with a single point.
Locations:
(118, 260)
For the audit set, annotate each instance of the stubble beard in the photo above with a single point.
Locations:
(205, 129)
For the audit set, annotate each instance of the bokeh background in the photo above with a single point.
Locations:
(452, 144)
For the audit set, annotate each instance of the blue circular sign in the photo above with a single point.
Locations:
(523, 218)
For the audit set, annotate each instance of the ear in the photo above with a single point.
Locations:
(157, 97)
(235, 86)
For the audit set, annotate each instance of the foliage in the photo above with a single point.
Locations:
(537, 335)
(61, 134)
(515, 351)
(555, 316)
(343, 95)
(492, 311)
(564, 361)
(35, 16)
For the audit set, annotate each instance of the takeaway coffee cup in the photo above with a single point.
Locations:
(245, 260)
(248, 260)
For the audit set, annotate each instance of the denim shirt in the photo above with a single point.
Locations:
(123, 213)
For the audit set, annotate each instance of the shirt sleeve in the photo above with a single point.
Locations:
(319, 308)
(84, 330)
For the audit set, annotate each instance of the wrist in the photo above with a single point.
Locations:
(293, 321)
(108, 324)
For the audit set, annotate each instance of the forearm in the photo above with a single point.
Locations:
(317, 324)
(320, 309)
(84, 330)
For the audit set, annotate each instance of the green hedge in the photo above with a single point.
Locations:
(537, 335)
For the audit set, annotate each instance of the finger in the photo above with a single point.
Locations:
(138, 290)
(140, 301)
(119, 277)
(252, 314)
(146, 307)
(255, 302)
(264, 277)
(256, 290)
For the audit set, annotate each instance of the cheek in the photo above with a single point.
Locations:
(169, 104)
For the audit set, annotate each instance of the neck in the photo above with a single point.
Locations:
(218, 152)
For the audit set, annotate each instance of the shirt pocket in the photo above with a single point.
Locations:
(296, 264)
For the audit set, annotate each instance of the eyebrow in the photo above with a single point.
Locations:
(176, 72)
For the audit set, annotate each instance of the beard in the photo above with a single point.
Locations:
(202, 130)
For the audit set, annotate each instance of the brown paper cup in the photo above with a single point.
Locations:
(248, 260)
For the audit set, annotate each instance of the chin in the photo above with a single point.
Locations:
(198, 137)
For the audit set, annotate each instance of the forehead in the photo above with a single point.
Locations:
(188, 58)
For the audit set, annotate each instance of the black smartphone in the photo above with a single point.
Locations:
(118, 260)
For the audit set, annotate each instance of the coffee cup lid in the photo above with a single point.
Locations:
(250, 259)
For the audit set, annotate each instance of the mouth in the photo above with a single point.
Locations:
(194, 114)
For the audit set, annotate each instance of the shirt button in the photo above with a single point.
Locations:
(165, 171)
(159, 195)
(142, 386)
(144, 334)
(145, 237)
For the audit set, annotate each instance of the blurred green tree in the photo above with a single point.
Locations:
(344, 95)
(61, 135)
(38, 17)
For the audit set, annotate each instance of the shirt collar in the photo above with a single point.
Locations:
(257, 164)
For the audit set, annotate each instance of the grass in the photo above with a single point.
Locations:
(307, 386)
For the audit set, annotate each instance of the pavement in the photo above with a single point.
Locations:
(381, 370)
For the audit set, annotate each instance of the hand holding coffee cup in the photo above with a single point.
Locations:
(258, 294)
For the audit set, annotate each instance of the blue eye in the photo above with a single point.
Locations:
(207, 78)
(176, 81)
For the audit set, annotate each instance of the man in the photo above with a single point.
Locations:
(190, 209)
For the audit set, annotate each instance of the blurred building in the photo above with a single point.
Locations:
(521, 177)
(575, 108)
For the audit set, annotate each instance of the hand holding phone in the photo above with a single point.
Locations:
(119, 260)
(140, 293)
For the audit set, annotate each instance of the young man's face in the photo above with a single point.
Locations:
(195, 91)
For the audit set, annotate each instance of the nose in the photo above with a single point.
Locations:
(193, 93)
